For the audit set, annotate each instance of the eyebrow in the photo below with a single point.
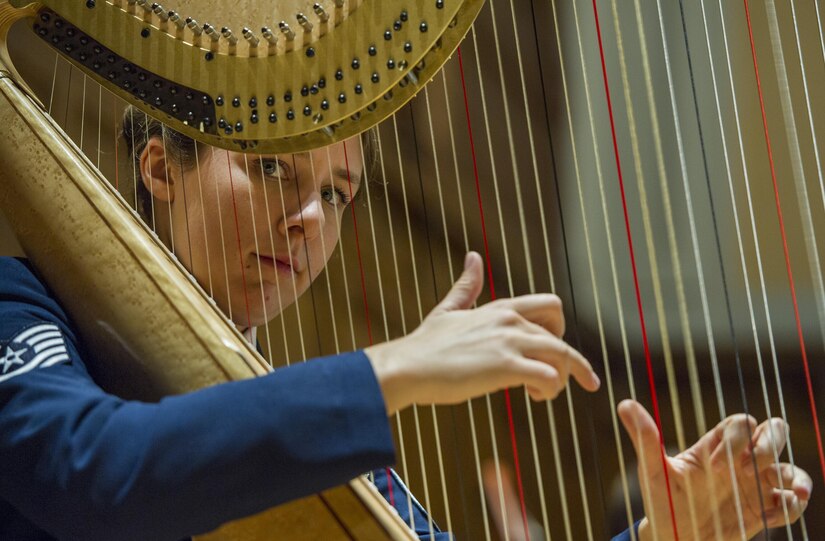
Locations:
(343, 172)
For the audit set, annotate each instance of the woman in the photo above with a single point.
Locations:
(255, 231)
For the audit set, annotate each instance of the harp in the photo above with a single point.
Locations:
(561, 137)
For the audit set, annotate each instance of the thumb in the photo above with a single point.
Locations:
(644, 434)
(466, 289)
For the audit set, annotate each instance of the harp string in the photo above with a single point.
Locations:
(591, 267)
(169, 193)
(524, 232)
(366, 310)
(797, 168)
(416, 420)
(648, 361)
(544, 231)
(648, 232)
(808, 107)
(436, 431)
(752, 215)
(304, 233)
(788, 267)
(740, 246)
(490, 281)
(439, 456)
(462, 214)
(257, 262)
(445, 232)
(267, 329)
(722, 268)
(238, 239)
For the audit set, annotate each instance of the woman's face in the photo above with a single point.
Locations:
(256, 230)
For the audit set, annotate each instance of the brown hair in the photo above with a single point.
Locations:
(138, 128)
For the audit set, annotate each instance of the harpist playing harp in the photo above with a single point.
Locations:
(217, 323)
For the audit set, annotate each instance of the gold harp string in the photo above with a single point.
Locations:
(593, 281)
(416, 419)
(450, 268)
(819, 26)
(743, 262)
(522, 219)
(250, 185)
(280, 317)
(494, 439)
(292, 272)
(425, 218)
(465, 235)
(809, 235)
(397, 274)
(212, 159)
(808, 107)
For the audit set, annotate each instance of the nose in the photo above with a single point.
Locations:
(308, 221)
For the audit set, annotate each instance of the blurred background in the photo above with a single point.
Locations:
(541, 170)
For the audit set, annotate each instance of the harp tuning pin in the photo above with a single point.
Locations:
(229, 36)
(250, 37)
(176, 19)
(269, 35)
(145, 5)
(158, 10)
(320, 12)
(210, 31)
(304, 22)
(193, 25)
(286, 30)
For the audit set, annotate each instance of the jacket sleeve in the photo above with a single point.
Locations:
(626, 535)
(83, 464)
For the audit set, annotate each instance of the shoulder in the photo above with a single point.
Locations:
(34, 329)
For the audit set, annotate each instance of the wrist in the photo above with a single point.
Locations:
(392, 381)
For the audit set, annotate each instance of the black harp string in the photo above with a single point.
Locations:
(745, 273)
(426, 221)
(297, 186)
(451, 275)
(257, 262)
(417, 286)
(720, 259)
(591, 266)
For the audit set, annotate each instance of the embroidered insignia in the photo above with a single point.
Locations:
(38, 346)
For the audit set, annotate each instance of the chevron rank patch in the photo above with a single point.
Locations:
(36, 347)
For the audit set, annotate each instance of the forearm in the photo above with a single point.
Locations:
(101, 466)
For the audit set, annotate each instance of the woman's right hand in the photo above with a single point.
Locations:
(460, 352)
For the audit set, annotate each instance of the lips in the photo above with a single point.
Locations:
(282, 264)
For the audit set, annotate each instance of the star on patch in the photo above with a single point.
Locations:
(36, 347)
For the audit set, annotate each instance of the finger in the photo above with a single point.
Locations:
(504, 496)
(782, 501)
(466, 289)
(730, 438)
(543, 309)
(769, 440)
(644, 435)
(558, 353)
(542, 381)
(788, 477)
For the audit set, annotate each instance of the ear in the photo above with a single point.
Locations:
(155, 171)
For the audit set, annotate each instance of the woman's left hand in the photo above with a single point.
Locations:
(716, 491)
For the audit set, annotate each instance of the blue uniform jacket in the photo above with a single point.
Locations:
(78, 463)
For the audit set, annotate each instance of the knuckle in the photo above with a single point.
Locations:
(508, 316)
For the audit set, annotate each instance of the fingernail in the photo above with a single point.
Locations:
(467, 260)
(596, 381)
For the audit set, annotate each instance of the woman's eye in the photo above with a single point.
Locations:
(273, 168)
(334, 196)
